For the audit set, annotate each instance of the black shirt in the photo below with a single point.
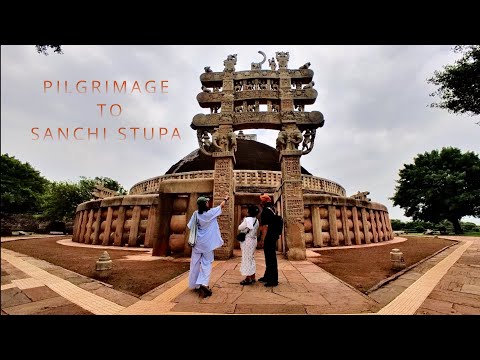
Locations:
(266, 217)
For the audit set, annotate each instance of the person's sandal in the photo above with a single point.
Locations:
(247, 282)
(205, 291)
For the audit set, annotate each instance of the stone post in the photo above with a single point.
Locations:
(117, 240)
(160, 242)
(293, 204)
(356, 228)
(132, 238)
(151, 225)
(96, 231)
(365, 226)
(374, 226)
(223, 185)
(89, 227)
(317, 227)
(108, 227)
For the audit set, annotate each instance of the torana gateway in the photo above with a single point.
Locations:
(316, 211)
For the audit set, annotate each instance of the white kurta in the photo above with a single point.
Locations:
(208, 239)
(248, 246)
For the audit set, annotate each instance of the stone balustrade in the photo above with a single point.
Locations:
(243, 178)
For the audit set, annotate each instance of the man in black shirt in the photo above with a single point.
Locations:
(269, 237)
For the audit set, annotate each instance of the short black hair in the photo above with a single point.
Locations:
(253, 210)
(202, 207)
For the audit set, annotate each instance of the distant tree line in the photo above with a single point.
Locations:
(24, 191)
(445, 226)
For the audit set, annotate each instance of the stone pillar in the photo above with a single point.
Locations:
(117, 241)
(379, 226)
(356, 229)
(108, 227)
(332, 221)
(160, 242)
(317, 227)
(89, 227)
(223, 185)
(374, 226)
(96, 230)
(346, 237)
(83, 226)
(132, 238)
(365, 226)
(292, 195)
(151, 225)
(389, 225)
(77, 226)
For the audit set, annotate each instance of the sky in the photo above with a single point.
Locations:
(374, 99)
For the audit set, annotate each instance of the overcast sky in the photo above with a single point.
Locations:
(374, 99)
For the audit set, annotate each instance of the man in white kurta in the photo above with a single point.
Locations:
(208, 239)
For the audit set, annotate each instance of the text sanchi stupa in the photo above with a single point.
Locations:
(316, 211)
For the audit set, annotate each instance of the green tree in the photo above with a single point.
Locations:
(111, 184)
(43, 49)
(21, 186)
(61, 199)
(88, 185)
(468, 226)
(459, 84)
(440, 185)
(397, 224)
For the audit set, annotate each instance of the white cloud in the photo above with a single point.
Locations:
(374, 99)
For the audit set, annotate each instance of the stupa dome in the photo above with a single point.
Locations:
(250, 155)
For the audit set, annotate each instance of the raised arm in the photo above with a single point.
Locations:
(222, 204)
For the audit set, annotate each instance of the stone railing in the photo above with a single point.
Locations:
(257, 177)
(152, 185)
(252, 178)
(310, 182)
(341, 221)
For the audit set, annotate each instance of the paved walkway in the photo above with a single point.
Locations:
(447, 283)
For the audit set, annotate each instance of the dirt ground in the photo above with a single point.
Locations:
(130, 276)
(362, 268)
(365, 267)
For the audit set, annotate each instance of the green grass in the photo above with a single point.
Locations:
(471, 233)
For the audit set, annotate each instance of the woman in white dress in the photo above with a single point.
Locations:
(249, 225)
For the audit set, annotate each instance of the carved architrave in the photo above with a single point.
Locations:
(213, 76)
(261, 120)
(208, 98)
(256, 94)
(295, 74)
